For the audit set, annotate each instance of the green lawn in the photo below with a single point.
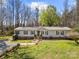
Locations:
(21, 41)
(50, 49)
(16, 41)
(5, 37)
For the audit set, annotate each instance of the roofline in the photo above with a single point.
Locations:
(37, 28)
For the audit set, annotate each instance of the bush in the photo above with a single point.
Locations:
(15, 37)
(75, 37)
(77, 40)
(9, 33)
(77, 29)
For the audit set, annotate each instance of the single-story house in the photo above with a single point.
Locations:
(46, 32)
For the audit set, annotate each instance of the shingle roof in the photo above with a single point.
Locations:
(57, 28)
(28, 28)
(43, 28)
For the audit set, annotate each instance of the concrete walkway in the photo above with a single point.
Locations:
(34, 42)
(30, 44)
(27, 44)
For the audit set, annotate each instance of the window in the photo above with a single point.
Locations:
(25, 32)
(16, 32)
(42, 32)
(46, 32)
(32, 32)
(62, 33)
(57, 32)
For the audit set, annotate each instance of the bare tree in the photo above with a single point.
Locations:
(37, 16)
(77, 11)
(10, 12)
(25, 15)
(2, 15)
(65, 14)
(17, 11)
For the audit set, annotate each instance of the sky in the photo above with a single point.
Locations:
(59, 4)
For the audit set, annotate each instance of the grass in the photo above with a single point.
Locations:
(50, 49)
(16, 41)
(21, 41)
(5, 37)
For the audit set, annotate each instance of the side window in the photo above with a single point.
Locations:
(62, 33)
(46, 32)
(16, 32)
(32, 32)
(57, 32)
(42, 32)
(25, 32)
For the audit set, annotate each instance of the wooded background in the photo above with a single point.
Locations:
(14, 13)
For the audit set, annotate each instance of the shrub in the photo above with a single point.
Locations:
(77, 29)
(9, 33)
(77, 40)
